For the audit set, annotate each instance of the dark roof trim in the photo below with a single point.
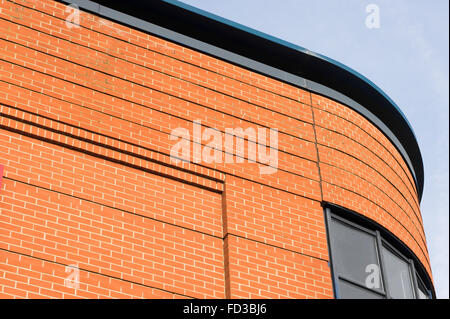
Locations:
(262, 53)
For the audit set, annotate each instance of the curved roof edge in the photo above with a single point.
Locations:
(268, 55)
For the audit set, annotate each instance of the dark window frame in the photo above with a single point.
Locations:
(338, 276)
(412, 272)
(384, 239)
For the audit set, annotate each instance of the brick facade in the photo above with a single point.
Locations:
(86, 115)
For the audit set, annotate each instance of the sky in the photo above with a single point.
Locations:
(406, 55)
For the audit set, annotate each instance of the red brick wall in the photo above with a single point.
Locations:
(86, 114)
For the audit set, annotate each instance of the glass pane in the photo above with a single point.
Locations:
(355, 255)
(398, 276)
(350, 291)
(422, 292)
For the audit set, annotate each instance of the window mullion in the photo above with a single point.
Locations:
(357, 284)
(382, 265)
(330, 253)
(413, 274)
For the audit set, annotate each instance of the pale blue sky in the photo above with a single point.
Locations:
(407, 57)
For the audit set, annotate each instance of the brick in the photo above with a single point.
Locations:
(86, 176)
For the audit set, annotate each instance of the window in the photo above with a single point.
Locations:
(398, 275)
(422, 292)
(366, 266)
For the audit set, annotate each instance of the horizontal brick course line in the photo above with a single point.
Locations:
(371, 151)
(49, 128)
(348, 190)
(7, 128)
(150, 108)
(382, 145)
(110, 241)
(52, 141)
(133, 144)
(105, 157)
(166, 55)
(137, 84)
(68, 230)
(261, 270)
(123, 141)
(379, 172)
(386, 163)
(142, 125)
(393, 201)
(128, 42)
(97, 273)
(39, 31)
(274, 246)
(345, 198)
(111, 207)
(360, 176)
(270, 216)
(333, 112)
(163, 222)
(93, 154)
(100, 144)
(154, 70)
(302, 175)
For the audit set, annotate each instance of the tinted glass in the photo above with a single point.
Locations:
(350, 291)
(355, 255)
(422, 292)
(398, 276)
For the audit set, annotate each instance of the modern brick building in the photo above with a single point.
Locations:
(93, 204)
